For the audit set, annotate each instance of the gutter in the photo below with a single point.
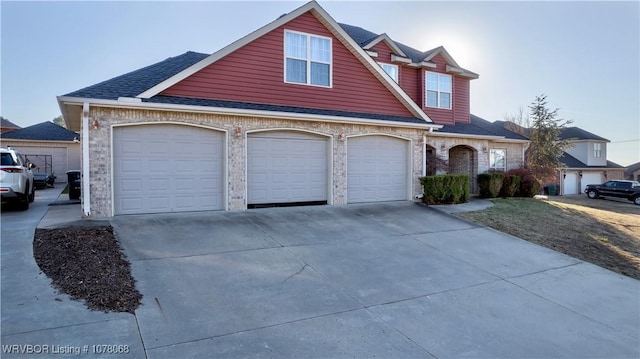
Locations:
(133, 104)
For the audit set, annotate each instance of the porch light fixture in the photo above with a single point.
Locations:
(564, 174)
(605, 174)
(237, 132)
(484, 149)
(580, 174)
(342, 136)
(95, 124)
(442, 147)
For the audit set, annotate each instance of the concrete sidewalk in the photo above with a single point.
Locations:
(384, 280)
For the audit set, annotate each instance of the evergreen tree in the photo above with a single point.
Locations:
(546, 147)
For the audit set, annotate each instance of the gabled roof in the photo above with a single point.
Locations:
(145, 85)
(384, 37)
(576, 133)
(7, 124)
(483, 128)
(572, 162)
(632, 168)
(366, 39)
(568, 133)
(45, 131)
(330, 24)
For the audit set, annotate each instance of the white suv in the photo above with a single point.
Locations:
(16, 179)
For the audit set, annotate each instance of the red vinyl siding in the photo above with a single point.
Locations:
(255, 73)
(384, 55)
(410, 82)
(461, 100)
(460, 97)
(384, 52)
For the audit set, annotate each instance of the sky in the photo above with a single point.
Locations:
(584, 56)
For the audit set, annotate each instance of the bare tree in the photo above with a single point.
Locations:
(518, 122)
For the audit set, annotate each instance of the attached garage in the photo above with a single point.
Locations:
(167, 168)
(377, 169)
(285, 167)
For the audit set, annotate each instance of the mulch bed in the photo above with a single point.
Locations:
(88, 264)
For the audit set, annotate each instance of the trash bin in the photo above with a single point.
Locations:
(73, 182)
(553, 190)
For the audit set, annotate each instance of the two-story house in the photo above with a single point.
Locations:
(301, 111)
(585, 161)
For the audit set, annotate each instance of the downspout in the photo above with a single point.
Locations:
(424, 153)
(86, 193)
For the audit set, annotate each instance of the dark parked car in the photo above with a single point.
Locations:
(43, 180)
(618, 188)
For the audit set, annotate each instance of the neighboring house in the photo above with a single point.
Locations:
(302, 110)
(52, 148)
(633, 172)
(7, 126)
(585, 162)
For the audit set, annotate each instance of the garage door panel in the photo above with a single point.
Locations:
(173, 168)
(570, 184)
(285, 167)
(377, 169)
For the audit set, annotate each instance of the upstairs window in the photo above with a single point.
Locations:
(307, 59)
(438, 90)
(597, 150)
(498, 159)
(391, 70)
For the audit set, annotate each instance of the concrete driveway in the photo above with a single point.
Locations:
(375, 280)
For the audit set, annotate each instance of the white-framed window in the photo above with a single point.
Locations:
(391, 70)
(597, 150)
(438, 90)
(498, 159)
(308, 59)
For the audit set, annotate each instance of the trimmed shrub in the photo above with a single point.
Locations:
(510, 186)
(529, 186)
(490, 184)
(445, 189)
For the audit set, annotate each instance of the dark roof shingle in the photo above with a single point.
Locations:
(576, 133)
(45, 131)
(481, 127)
(8, 124)
(277, 108)
(134, 83)
(572, 162)
(363, 37)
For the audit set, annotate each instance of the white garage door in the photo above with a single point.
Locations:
(570, 183)
(376, 169)
(590, 178)
(167, 168)
(286, 167)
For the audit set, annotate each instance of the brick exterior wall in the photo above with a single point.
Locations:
(447, 148)
(100, 143)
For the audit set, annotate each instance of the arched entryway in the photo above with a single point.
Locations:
(464, 160)
(432, 164)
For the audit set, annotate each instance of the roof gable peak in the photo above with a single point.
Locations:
(387, 40)
(316, 10)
